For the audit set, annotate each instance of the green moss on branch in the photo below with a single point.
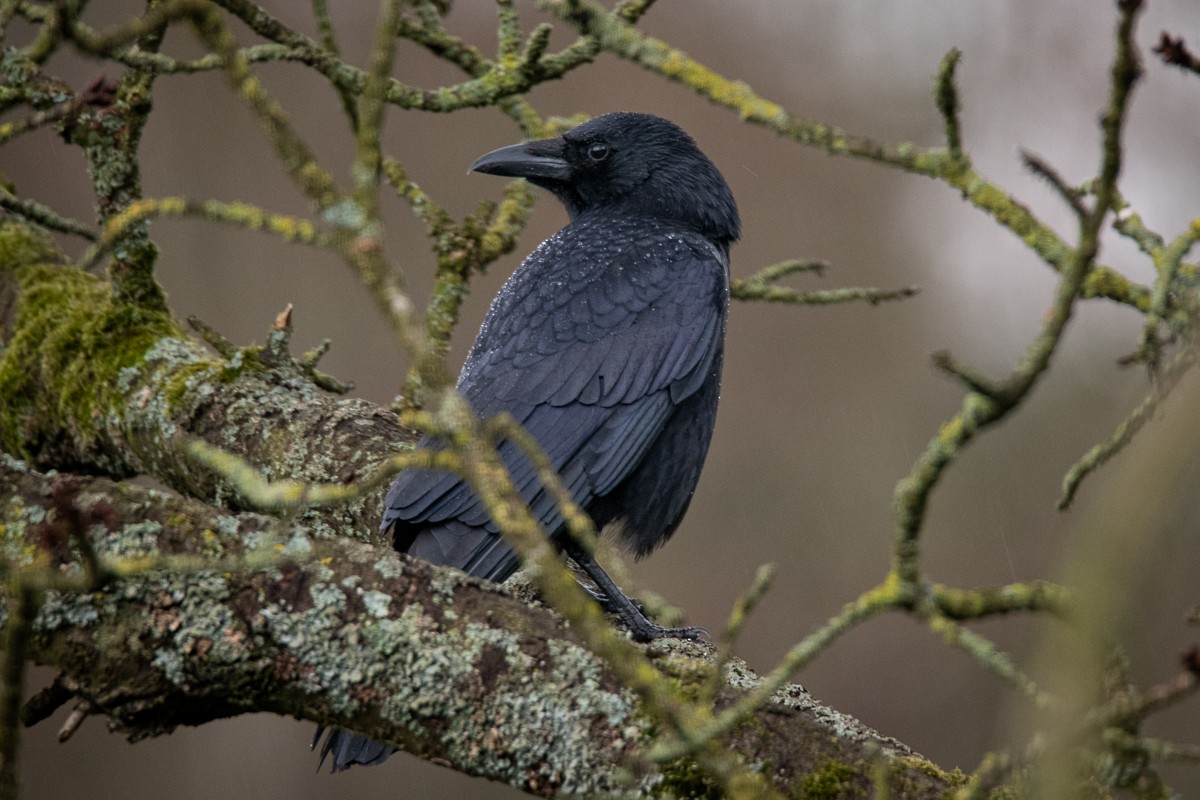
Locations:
(90, 382)
(63, 367)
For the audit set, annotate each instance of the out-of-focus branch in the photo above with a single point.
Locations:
(1173, 50)
(1094, 458)
(21, 603)
(243, 215)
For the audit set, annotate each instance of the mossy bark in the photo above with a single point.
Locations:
(92, 383)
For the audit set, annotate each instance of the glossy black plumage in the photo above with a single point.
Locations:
(606, 344)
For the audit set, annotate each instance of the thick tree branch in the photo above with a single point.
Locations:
(105, 387)
(350, 634)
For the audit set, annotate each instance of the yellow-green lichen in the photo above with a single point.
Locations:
(684, 780)
(831, 780)
(954, 778)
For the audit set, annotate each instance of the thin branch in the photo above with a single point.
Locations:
(741, 611)
(1129, 224)
(985, 652)
(266, 495)
(329, 42)
(632, 10)
(1070, 195)
(212, 337)
(971, 604)
(82, 710)
(45, 702)
(993, 770)
(242, 215)
(44, 215)
(22, 605)
(1168, 261)
(580, 527)
(773, 272)
(761, 286)
(948, 104)
(888, 595)
(39, 119)
(617, 36)
(1130, 709)
(981, 410)
(819, 297)
(431, 35)
(368, 157)
(1175, 51)
(49, 35)
(1157, 749)
(508, 32)
(167, 65)
(1094, 458)
(972, 379)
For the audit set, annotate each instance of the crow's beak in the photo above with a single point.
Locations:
(540, 159)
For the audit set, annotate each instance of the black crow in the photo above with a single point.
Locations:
(606, 345)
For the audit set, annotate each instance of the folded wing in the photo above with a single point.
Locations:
(594, 373)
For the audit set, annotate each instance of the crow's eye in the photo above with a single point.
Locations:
(598, 151)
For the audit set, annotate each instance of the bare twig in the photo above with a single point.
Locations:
(946, 96)
(1173, 50)
(1096, 457)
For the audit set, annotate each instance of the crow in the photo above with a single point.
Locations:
(606, 345)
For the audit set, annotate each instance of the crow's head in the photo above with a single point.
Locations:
(626, 163)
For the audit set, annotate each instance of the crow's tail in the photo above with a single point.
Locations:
(348, 749)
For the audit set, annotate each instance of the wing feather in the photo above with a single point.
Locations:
(593, 374)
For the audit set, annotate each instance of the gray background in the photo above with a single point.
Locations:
(823, 409)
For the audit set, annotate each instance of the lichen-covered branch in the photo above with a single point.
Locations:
(45, 216)
(110, 141)
(987, 402)
(349, 634)
(243, 215)
(1094, 458)
(618, 36)
(89, 381)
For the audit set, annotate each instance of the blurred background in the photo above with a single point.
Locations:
(823, 409)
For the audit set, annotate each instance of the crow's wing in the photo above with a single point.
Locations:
(591, 349)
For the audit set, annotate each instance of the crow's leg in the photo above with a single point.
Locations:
(614, 601)
(610, 606)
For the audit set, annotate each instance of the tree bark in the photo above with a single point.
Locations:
(194, 610)
(90, 383)
(218, 621)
